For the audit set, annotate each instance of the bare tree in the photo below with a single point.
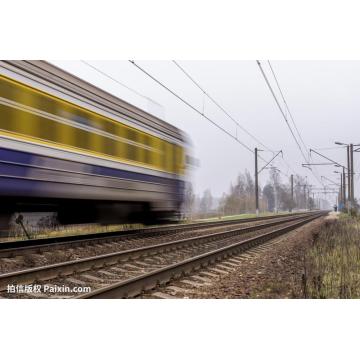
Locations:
(268, 194)
(189, 201)
(206, 202)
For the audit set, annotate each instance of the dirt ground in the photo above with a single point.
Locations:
(272, 273)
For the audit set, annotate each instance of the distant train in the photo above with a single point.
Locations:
(69, 147)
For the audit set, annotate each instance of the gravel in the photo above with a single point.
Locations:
(272, 273)
(76, 252)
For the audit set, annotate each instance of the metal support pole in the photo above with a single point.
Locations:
(341, 190)
(256, 183)
(292, 192)
(349, 178)
(352, 174)
(344, 186)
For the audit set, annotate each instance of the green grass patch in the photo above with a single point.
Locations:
(241, 216)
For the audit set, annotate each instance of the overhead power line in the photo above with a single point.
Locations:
(330, 148)
(118, 82)
(280, 108)
(192, 107)
(226, 113)
(219, 106)
(287, 107)
(284, 116)
(314, 171)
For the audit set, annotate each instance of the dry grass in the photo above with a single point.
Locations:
(332, 263)
(45, 229)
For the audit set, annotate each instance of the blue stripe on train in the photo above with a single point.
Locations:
(28, 159)
(32, 159)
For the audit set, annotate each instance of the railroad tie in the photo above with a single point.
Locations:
(129, 267)
(92, 278)
(160, 295)
(223, 267)
(193, 283)
(221, 272)
(233, 262)
(107, 273)
(76, 281)
(201, 278)
(206, 273)
(177, 289)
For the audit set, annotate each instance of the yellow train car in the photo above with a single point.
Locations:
(70, 147)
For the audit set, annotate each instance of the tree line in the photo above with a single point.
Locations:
(274, 196)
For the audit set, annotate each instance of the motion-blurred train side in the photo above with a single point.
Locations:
(69, 147)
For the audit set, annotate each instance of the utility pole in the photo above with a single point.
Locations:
(349, 176)
(344, 186)
(341, 191)
(256, 183)
(352, 174)
(313, 201)
(292, 192)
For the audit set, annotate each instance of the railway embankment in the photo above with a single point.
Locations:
(318, 260)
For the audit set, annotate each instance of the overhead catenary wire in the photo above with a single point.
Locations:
(280, 108)
(220, 106)
(284, 116)
(187, 103)
(226, 113)
(314, 171)
(118, 82)
(286, 105)
(330, 148)
(193, 107)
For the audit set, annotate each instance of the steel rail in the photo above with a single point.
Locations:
(138, 284)
(81, 265)
(14, 248)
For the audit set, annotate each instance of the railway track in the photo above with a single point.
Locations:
(127, 273)
(19, 258)
(14, 248)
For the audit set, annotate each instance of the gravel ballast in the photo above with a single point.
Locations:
(274, 272)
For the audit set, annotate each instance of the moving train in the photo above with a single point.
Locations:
(71, 148)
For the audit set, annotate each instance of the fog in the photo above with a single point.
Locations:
(322, 97)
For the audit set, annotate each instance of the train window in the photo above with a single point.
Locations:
(132, 135)
(169, 157)
(120, 150)
(120, 130)
(110, 146)
(73, 115)
(8, 119)
(48, 130)
(96, 142)
(7, 89)
(44, 103)
(110, 127)
(163, 155)
(174, 159)
(158, 155)
(82, 139)
(147, 152)
(95, 121)
(132, 152)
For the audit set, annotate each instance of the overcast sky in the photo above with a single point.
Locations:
(322, 97)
